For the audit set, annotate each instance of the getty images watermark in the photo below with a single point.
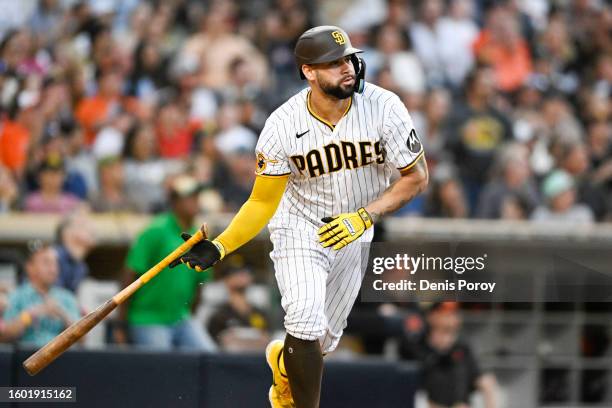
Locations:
(422, 263)
(485, 271)
(431, 272)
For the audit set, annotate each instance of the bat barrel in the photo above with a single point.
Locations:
(43, 357)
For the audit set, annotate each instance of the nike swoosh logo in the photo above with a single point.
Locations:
(298, 135)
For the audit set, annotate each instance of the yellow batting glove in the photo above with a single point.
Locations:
(344, 228)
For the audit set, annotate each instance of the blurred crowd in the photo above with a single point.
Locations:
(102, 102)
(154, 106)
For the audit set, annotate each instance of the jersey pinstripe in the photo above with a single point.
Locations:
(332, 170)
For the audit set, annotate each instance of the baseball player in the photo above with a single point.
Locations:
(324, 162)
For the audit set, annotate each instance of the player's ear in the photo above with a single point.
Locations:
(308, 72)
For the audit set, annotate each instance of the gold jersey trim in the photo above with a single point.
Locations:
(319, 118)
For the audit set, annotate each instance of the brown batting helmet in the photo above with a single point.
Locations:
(325, 44)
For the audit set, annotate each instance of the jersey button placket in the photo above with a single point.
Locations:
(338, 177)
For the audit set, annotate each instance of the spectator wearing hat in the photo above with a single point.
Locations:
(450, 370)
(560, 193)
(237, 325)
(159, 314)
(50, 198)
(53, 145)
(38, 310)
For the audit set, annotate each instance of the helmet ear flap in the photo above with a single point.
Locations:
(360, 67)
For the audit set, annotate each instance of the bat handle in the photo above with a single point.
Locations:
(148, 275)
(185, 246)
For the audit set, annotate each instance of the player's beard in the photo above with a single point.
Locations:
(337, 91)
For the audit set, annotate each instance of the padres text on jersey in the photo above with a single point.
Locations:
(336, 169)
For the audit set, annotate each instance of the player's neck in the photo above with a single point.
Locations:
(328, 107)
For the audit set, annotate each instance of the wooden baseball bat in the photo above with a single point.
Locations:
(54, 348)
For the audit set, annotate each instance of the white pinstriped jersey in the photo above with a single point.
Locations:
(335, 169)
(332, 170)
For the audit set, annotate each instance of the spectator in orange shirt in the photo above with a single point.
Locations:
(96, 111)
(501, 45)
(14, 142)
(175, 132)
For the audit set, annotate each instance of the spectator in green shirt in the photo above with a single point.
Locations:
(159, 314)
(38, 310)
